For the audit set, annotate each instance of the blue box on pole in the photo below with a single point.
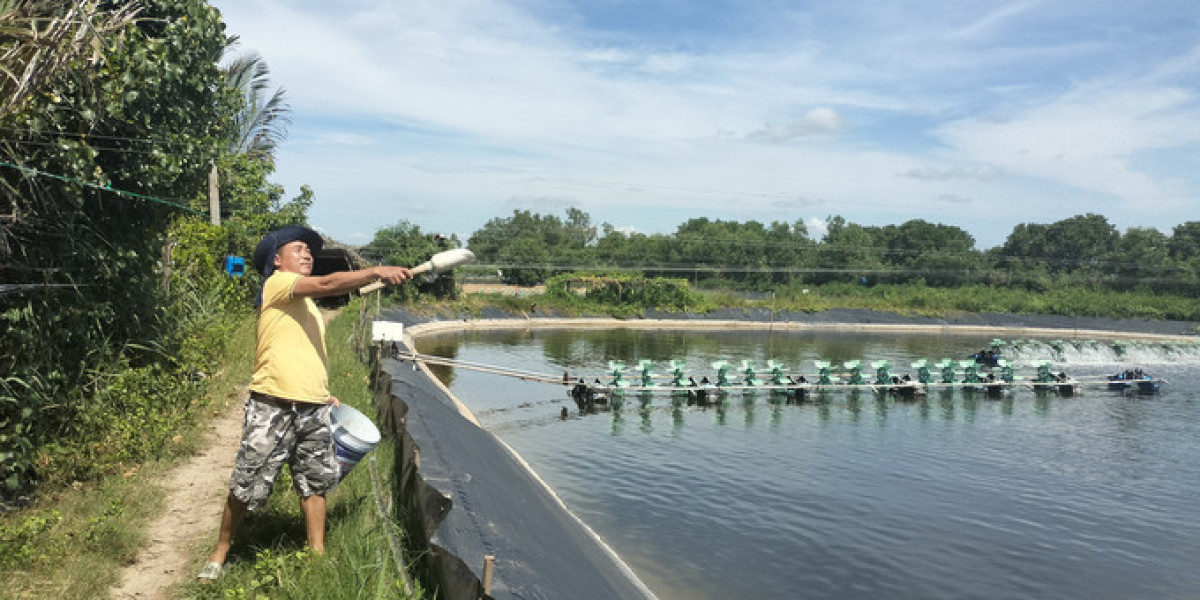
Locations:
(235, 266)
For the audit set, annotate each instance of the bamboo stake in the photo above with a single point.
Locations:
(489, 563)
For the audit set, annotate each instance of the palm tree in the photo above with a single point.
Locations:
(259, 126)
(263, 121)
(40, 39)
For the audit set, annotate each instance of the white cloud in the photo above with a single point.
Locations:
(976, 172)
(953, 199)
(990, 20)
(342, 138)
(816, 121)
(797, 202)
(540, 204)
(818, 228)
(1087, 139)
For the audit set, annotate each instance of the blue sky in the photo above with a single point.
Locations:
(644, 113)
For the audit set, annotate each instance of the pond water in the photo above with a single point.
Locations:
(858, 495)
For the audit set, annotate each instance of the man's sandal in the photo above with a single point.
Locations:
(210, 572)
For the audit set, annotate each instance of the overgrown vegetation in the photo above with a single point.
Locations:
(73, 540)
(90, 305)
(115, 303)
(621, 292)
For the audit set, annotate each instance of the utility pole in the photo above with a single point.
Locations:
(214, 195)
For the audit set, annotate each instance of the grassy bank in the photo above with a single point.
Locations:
(934, 301)
(73, 540)
(269, 559)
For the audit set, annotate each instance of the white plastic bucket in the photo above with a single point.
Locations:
(354, 435)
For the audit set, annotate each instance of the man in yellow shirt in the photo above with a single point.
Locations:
(287, 414)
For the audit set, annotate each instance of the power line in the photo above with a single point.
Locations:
(780, 270)
(18, 288)
(93, 147)
(103, 188)
(96, 136)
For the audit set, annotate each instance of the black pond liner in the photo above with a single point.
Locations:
(465, 496)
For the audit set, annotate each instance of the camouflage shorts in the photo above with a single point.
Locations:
(274, 434)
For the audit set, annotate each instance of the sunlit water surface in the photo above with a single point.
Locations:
(859, 496)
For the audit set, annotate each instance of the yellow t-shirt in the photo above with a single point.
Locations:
(290, 360)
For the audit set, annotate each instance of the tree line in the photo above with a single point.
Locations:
(1086, 250)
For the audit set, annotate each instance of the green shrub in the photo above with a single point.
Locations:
(26, 540)
(624, 290)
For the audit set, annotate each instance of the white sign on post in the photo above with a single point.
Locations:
(387, 331)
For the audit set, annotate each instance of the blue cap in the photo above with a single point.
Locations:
(264, 253)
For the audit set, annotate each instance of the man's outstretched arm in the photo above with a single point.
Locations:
(345, 282)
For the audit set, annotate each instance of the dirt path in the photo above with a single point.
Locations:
(195, 497)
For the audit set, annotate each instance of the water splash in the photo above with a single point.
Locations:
(1092, 352)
